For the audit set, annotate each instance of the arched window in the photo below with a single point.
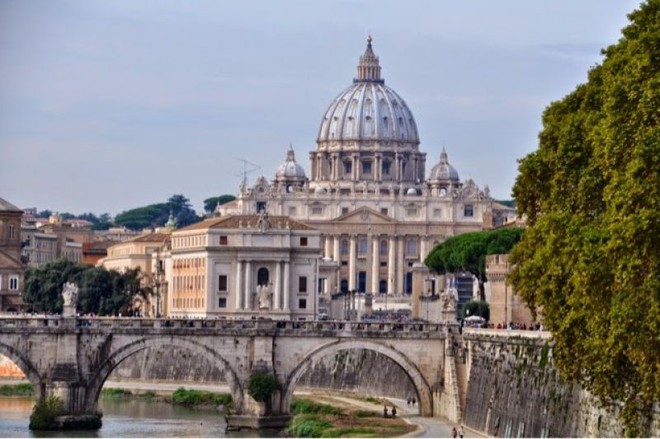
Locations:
(411, 247)
(263, 276)
(344, 246)
(362, 246)
(383, 247)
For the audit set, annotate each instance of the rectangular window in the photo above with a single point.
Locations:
(344, 263)
(411, 211)
(366, 167)
(13, 283)
(292, 211)
(222, 302)
(344, 210)
(386, 168)
(222, 282)
(261, 206)
(303, 241)
(437, 213)
(317, 211)
(384, 210)
(347, 167)
(302, 303)
(468, 210)
(302, 284)
(223, 240)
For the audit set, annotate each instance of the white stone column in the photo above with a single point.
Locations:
(336, 243)
(400, 265)
(287, 285)
(248, 285)
(423, 247)
(327, 239)
(355, 167)
(391, 265)
(352, 263)
(278, 286)
(375, 243)
(239, 283)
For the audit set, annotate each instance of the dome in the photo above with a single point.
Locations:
(443, 170)
(411, 191)
(290, 170)
(368, 109)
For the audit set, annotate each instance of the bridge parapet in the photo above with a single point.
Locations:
(229, 327)
(483, 333)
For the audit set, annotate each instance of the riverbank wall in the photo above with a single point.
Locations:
(514, 390)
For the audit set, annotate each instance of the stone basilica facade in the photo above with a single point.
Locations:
(367, 191)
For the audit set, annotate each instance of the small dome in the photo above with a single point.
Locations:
(411, 191)
(443, 170)
(319, 190)
(290, 170)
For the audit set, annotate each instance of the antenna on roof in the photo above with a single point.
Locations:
(248, 168)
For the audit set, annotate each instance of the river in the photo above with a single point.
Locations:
(127, 418)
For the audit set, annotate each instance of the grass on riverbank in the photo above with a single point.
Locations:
(21, 389)
(314, 419)
(183, 397)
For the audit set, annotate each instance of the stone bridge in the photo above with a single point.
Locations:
(72, 357)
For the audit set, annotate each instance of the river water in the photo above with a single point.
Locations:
(127, 418)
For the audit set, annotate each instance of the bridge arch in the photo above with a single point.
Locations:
(31, 373)
(125, 351)
(424, 393)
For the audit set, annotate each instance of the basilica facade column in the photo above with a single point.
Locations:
(327, 241)
(352, 263)
(278, 286)
(239, 284)
(423, 247)
(400, 265)
(391, 265)
(375, 241)
(335, 250)
(248, 285)
(287, 285)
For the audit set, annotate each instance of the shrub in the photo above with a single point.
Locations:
(307, 426)
(45, 412)
(262, 385)
(113, 392)
(191, 398)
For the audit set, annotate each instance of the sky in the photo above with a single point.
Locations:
(107, 106)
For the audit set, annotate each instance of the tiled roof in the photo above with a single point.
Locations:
(7, 206)
(151, 237)
(246, 221)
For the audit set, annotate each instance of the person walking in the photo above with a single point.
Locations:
(460, 432)
(384, 411)
(393, 412)
(453, 432)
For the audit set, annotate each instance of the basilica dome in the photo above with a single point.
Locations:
(368, 110)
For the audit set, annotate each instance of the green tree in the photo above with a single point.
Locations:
(156, 215)
(590, 259)
(43, 285)
(211, 203)
(468, 251)
(182, 210)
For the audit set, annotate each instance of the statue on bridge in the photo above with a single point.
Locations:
(70, 296)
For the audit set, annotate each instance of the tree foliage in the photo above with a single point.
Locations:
(101, 291)
(468, 251)
(211, 203)
(591, 193)
(156, 215)
(262, 385)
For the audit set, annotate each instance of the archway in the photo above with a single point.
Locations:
(423, 389)
(101, 375)
(27, 368)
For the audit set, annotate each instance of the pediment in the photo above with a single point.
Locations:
(364, 215)
(9, 262)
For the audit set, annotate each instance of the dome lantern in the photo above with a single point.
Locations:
(369, 68)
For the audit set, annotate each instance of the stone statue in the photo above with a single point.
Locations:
(449, 299)
(265, 295)
(70, 294)
(263, 223)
